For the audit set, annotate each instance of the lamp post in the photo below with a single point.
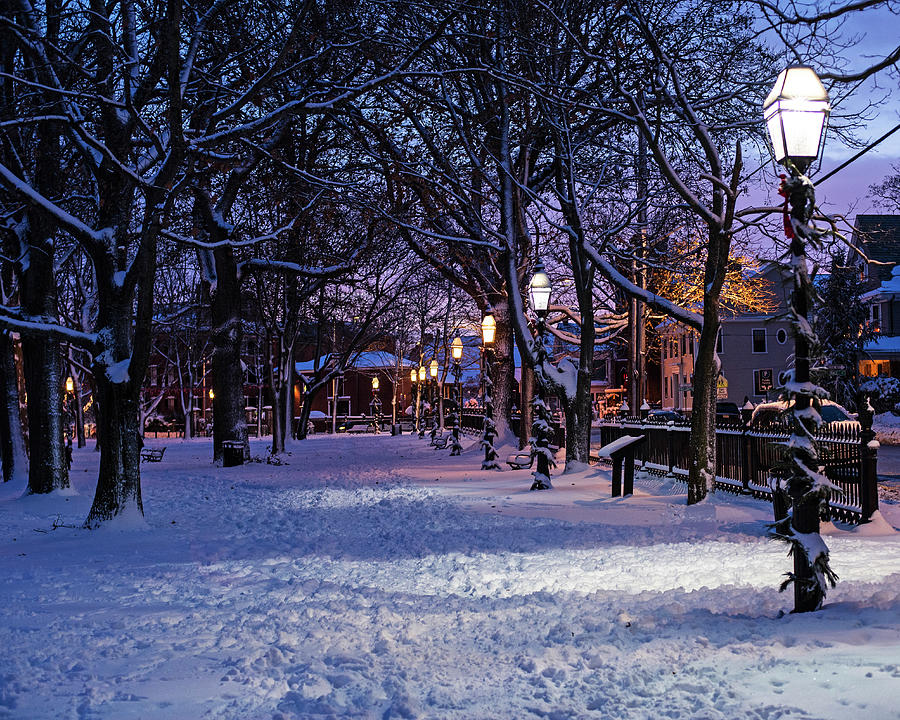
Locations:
(413, 375)
(376, 404)
(433, 395)
(420, 421)
(70, 391)
(456, 351)
(489, 433)
(541, 432)
(796, 113)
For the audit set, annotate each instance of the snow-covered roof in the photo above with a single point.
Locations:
(883, 344)
(886, 289)
(368, 360)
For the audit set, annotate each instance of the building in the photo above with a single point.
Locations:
(875, 250)
(753, 349)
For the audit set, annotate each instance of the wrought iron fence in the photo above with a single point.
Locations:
(746, 458)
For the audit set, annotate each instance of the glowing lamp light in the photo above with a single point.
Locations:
(488, 328)
(539, 289)
(796, 114)
(433, 369)
(375, 383)
(413, 375)
(70, 384)
(422, 373)
(456, 350)
(212, 395)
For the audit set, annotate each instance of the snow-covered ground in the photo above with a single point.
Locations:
(887, 428)
(372, 577)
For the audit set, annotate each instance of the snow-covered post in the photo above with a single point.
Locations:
(868, 486)
(489, 430)
(795, 113)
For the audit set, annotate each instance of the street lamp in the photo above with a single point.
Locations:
(539, 290)
(796, 113)
(489, 433)
(456, 351)
(69, 413)
(420, 402)
(413, 400)
(376, 404)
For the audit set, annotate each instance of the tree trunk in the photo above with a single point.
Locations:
(119, 484)
(503, 374)
(526, 412)
(702, 471)
(12, 443)
(47, 470)
(227, 334)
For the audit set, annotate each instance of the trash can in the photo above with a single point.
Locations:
(232, 453)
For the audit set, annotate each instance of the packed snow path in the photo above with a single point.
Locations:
(373, 577)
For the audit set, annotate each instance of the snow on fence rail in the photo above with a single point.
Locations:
(747, 457)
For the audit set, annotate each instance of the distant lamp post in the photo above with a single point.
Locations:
(420, 406)
(69, 406)
(456, 351)
(796, 114)
(413, 399)
(489, 433)
(433, 398)
(376, 404)
(541, 432)
(212, 395)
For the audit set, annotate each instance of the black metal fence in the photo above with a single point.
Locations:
(747, 457)
(473, 422)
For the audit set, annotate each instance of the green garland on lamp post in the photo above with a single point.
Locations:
(796, 112)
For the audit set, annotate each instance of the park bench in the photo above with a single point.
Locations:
(441, 442)
(152, 454)
(523, 460)
(621, 452)
(520, 460)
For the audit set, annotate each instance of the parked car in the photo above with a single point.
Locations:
(664, 416)
(830, 412)
(727, 412)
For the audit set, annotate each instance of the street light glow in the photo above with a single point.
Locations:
(70, 384)
(422, 373)
(539, 289)
(433, 369)
(375, 383)
(456, 349)
(796, 112)
(488, 328)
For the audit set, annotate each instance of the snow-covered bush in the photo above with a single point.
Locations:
(883, 392)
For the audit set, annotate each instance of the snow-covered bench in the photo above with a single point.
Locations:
(524, 459)
(152, 454)
(520, 460)
(441, 442)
